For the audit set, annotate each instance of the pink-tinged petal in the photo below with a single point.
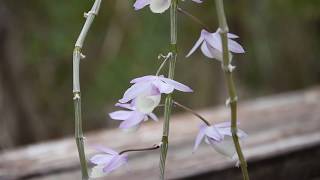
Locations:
(232, 36)
(139, 4)
(213, 133)
(153, 116)
(134, 120)
(105, 149)
(178, 86)
(235, 47)
(159, 6)
(121, 115)
(216, 54)
(197, 1)
(163, 87)
(144, 79)
(196, 45)
(126, 106)
(134, 91)
(199, 138)
(101, 159)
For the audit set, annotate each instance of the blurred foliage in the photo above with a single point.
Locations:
(281, 39)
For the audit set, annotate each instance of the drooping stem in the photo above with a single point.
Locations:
(230, 83)
(192, 111)
(168, 101)
(77, 56)
(141, 149)
(193, 18)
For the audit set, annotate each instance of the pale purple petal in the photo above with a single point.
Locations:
(232, 36)
(235, 47)
(153, 116)
(205, 50)
(223, 124)
(126, 106)
(177, 85)
(105, 149)
(134, 120)
(163, 87)
(139, 4)
(213, 39)
(121, 115)
(144, 79)
(213, 133)
(196, 45)
(115, 163)
(101, 159)
(199, 138)
(134, 91)
(197, 1)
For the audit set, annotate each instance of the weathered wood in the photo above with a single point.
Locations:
(277, 125)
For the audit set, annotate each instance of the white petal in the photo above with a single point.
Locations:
(159, 6)
(97, 172)
(146, 104)
(225, 147)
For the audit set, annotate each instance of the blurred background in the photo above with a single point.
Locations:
(281, 38)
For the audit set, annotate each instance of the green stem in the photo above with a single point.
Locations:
(77, 56)
(231, 87)
(168, 101)
(79, 136)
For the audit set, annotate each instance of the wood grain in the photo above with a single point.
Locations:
(277, 125)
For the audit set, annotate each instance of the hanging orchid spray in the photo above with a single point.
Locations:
(145, 94)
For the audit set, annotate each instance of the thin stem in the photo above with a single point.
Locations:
(168, 101)
(231, 87)
(77, 56)
(193, 112)
(194, 18)
(140, 149)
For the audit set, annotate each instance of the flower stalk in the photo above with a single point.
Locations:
(154, 147)
(77, 56)
(230, 84)
(193, 112)
(168, 100)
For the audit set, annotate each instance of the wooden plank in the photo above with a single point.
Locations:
(277, 125)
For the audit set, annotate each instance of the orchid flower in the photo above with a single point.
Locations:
(132, 117)
(219, 137)
(211, 45)
(106, 162)
(156, 6)
(152, 86)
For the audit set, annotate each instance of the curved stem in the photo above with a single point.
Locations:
(140, 149)
(194, 18)
(168, 101)
(193, 112)
(163, 63)
(77, 56)
(231, 87)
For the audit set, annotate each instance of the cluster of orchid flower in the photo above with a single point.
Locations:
(140, 100)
